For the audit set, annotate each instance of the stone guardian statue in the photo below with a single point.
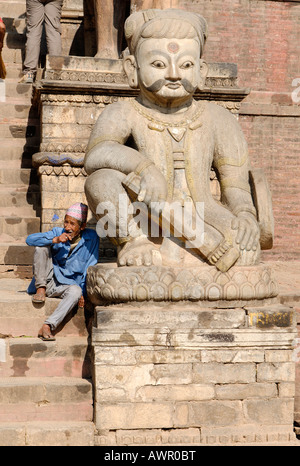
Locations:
(160, 148)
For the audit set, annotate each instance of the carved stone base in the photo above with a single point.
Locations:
(178, 374)
(203, 284)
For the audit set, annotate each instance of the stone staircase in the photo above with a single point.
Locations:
(19, 139)
(46, 395)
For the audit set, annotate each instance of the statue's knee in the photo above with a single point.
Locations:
(103, 185)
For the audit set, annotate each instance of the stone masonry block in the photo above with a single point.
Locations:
(76, 184)
(116, 356)
(190, 392)
(63, 201)
(66, 131)
(286, 389)
(124, 380)
(172, 374)
(276, 372)
(279, 356)
(213, 413)
(269, 411)
(134, 416)
(224, 373)
(168, 356)
(245, 391)
(54, 183)
(12, 435)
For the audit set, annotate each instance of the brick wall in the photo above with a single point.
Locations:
(263, 39)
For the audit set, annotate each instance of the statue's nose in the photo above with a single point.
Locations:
(173, 72)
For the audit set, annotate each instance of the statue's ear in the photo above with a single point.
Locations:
(203, 74)
(130, 69)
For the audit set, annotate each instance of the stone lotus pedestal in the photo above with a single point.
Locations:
(191, 357)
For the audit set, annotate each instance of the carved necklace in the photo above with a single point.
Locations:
(176, 129)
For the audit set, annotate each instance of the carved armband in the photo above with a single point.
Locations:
(142, 166)
(105, 138)
(235, 183)
(245, 209)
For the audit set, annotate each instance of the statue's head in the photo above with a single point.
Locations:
(165, 54)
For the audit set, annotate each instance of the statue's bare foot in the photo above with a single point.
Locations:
(139, 251)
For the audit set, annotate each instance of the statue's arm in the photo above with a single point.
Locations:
(232, 166)
(106, 147)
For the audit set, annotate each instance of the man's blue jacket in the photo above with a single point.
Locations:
(68, 270)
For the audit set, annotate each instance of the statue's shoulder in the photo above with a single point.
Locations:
(221, 116)
(217, 110)
(120, 106)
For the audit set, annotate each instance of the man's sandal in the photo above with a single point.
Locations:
(38, 299)
(47, 338)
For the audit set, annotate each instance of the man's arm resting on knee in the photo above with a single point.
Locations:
(43, 239)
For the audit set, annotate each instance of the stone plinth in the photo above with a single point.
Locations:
(180, 374)
(201, 283)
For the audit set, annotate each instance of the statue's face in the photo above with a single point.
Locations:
(169, 70)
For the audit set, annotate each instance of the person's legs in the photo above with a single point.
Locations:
(42, 271)
(52, 26)
(70, 295)
(35, 20)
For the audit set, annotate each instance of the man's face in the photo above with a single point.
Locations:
(72, 226)
(168, 69)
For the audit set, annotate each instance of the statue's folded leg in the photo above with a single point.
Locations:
(104, 192)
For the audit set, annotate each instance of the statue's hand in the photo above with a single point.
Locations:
(248, 231)
(153, 186)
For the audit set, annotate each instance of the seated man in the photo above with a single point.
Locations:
(61, 259)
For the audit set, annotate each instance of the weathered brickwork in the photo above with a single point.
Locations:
(274, 145)
(262, 37)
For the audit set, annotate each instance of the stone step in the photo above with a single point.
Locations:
(15, 271)
(25, 399)
(15, 90)
(13, 39)
(65, 434)
(20, 317)
(17, 149)
(19, 226)
(22, 176)
(13, 55)
(12, 9)
(32, 357)
(19, 128)
(18, 200)
(14, 25)
(14, 71)
(15, 253)
(12, 110)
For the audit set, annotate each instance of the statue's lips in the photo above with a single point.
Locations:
(173, 85)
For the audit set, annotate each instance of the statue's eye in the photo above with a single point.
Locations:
(158, 64)
(187, 64)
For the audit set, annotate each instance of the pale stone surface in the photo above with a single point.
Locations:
(231, 390)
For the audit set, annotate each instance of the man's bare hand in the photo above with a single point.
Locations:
(81, 302)
(63, 238)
